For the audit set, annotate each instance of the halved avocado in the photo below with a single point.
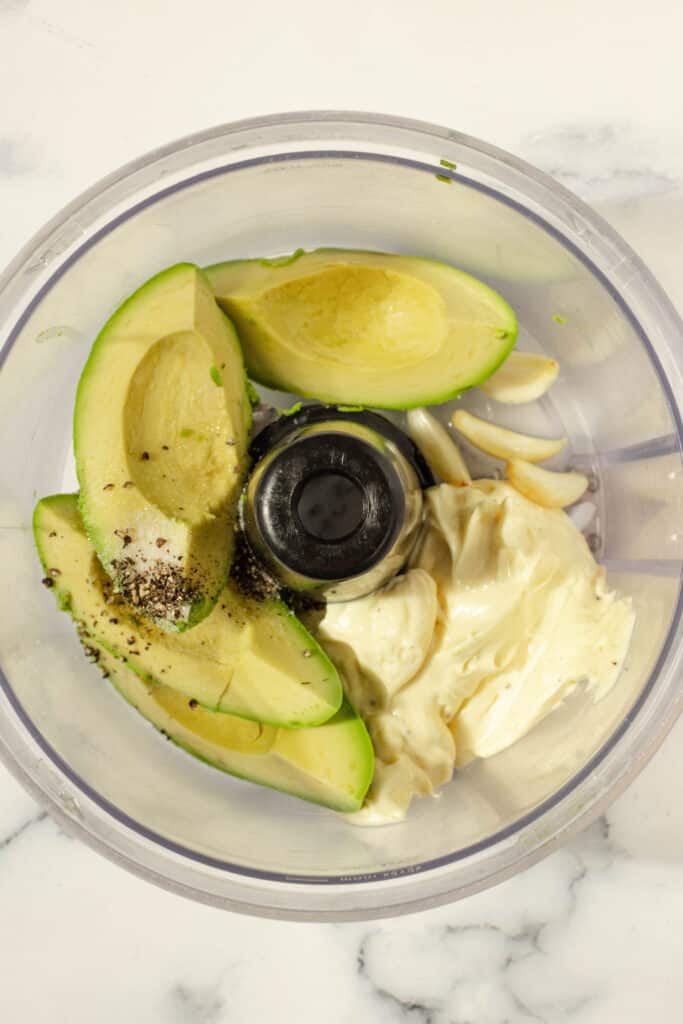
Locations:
(364, 328)
(330, 764)
(248, 658)
(160, 435)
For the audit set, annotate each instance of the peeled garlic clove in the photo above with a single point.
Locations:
(523, 377)
(542, 486)
(504, 443)
(438, 447)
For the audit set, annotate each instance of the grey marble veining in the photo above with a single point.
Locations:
(603, 161)
(17, 833)
(12, 6)
(16, 157)
(573, 939)
(486, 970)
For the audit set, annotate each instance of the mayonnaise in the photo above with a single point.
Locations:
(502, 612)
(392, 628)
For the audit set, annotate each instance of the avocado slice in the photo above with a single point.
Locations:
(330, 764)
(364, 328)
(160, 435)
(247, 658)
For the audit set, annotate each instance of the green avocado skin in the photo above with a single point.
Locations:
(243, 289)
(330, 764)
(291, 770)
(245, 660)
(106, 373)
(357, 741)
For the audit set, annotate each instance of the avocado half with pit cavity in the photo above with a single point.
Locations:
(160, 435)
(330, 764)
(364, 328)
(247, 658)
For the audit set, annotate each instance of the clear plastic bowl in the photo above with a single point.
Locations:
(265, 187)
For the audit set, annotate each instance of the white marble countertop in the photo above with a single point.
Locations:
(593, 93)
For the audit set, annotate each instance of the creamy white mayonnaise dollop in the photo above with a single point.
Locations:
(502, 612)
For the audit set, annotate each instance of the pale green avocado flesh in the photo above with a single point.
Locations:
(364, 328)
(330, 764)
(160, 434)
(247, 658)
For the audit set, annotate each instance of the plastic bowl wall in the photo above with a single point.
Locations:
(266, 187)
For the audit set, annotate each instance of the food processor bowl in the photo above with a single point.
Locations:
(266, 187)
